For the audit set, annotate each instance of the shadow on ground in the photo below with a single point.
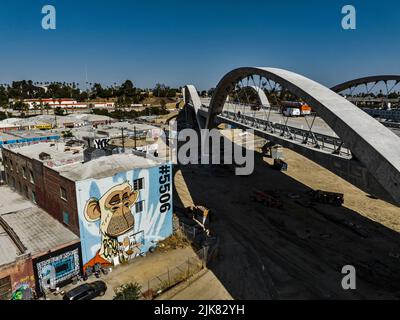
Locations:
(296, 252)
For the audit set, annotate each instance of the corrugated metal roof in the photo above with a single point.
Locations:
(36, 229)
(8, 250)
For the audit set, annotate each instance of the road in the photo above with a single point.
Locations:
(319, 126)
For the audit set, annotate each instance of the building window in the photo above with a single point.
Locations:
(34, 197)
(5, 288)
(63, 194)
(31, 178)
(138, 184)
(11, 165)
(139, 206)
(66, 217)
(23, 172)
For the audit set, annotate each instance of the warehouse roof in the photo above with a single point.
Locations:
(25, 228)
(38, 231)
(59, 153)
(106, 166)
(68, 160)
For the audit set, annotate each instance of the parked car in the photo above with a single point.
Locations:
(86, 291)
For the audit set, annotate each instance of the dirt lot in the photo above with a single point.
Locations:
(141, 270)
(296, 252)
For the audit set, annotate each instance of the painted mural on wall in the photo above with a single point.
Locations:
(58, 269)
(123, 216)
(23, 289)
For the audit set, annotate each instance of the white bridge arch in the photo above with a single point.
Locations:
(375, 165)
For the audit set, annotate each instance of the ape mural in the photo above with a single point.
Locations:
(122, 216)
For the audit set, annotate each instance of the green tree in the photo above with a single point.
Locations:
(67, 134)
(3, 115)
(129, 291)
(59, 111)
(163, 104)
(20, 105)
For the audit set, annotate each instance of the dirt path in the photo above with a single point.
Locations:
(207, 287)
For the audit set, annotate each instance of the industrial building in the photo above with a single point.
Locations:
(46, 121)
(118, 204)
(27, 136)
(54, 103)
(32, 243)
(74, 120)
(13, 124)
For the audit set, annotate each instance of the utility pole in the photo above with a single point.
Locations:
(134, 136)
(123, 140)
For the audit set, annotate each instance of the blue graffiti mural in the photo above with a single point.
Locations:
(122, 216)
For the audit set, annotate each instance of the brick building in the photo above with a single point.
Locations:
(33, 172)
(106, 201)
(32, 243)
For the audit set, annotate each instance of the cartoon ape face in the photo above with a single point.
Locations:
(114, 210)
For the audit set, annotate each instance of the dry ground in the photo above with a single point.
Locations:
(141, 270)
(296, 252)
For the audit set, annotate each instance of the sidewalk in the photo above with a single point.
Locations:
(141, 270)
(204, 286)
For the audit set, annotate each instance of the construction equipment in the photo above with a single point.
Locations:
(267, 198)
(201, 215)
(332, 198)
(280, 165)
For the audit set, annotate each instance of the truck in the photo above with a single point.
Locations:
(295, 108)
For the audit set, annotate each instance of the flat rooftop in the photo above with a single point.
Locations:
(106, 166)
(68, 161)
(60, 153)
(20, 122)
(35, 229)
(18, 136)
(81, 119)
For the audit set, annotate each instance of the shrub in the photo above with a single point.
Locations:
(129, 291)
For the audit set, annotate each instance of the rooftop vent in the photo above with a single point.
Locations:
(73, 143)
(44, 156)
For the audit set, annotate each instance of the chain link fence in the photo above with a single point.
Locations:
(173, 276)
(185, 270)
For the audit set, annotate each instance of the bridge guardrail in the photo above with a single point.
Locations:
(321, 141)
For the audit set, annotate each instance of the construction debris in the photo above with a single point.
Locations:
(267, 198)
(332, 198)
(201, 215)
(280, 165)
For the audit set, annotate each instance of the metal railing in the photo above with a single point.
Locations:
(185, 270)
(173, 276)
(316, 140)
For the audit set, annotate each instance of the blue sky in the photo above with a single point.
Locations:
(177, 42)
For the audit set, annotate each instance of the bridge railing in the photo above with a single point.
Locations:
(393, 115)
(317, 140)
